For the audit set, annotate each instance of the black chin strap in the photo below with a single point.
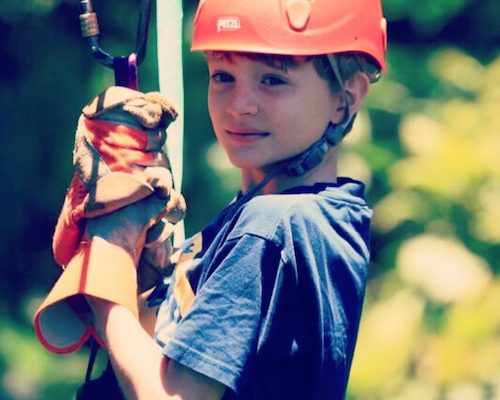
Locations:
(313, 156)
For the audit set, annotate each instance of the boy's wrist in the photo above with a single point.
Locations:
(101, 310)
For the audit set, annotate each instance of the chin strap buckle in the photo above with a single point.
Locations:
(313, 156)
(309, 159)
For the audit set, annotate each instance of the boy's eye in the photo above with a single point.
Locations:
(273, 80)
(221, 77)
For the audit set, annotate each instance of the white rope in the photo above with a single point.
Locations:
(169, 27)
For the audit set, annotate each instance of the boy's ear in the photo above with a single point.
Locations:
(356, 90)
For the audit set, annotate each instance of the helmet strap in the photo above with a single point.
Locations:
(314, 154)
(336, 71)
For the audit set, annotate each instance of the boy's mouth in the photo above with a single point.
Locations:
(247, 134)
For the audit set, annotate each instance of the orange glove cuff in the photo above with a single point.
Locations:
(99, 269)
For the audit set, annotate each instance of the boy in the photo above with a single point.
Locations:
(265, 302)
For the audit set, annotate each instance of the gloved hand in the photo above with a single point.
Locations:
(118, 213)
(118, 160)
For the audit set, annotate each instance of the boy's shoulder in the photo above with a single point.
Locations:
(298, 199)
(265, 215)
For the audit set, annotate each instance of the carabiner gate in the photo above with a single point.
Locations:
(124, 67)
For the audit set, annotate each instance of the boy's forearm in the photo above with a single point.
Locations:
(142, 370)
(137, 359)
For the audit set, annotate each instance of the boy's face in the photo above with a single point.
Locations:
(262, 114)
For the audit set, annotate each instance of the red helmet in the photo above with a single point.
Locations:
(291, 27)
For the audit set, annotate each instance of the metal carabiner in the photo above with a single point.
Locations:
(124, 67)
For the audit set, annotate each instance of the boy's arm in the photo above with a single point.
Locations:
(142, 370)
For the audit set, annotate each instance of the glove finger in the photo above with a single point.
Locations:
(159, 233)
(159, 178)
(175, 210)
(150, 109)
(114, 191)
(110, 98)
(66, 239)
(69, 230)
(153, 264)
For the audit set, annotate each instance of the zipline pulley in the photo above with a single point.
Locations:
(124, 67)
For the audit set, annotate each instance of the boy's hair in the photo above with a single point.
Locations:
(348, 63)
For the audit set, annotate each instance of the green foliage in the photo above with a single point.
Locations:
(431, 326)
(29, 372)
(426, 144)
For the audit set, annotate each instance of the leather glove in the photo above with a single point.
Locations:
(118, 160)
(118, 213)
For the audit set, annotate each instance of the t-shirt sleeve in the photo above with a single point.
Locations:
(218, 336)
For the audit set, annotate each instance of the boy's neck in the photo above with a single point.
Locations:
(325, 172)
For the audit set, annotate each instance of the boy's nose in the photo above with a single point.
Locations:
(242, 103)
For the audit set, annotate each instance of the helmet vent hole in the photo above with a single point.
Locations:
(298, 12)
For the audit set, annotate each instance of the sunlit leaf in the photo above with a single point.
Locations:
(466, 391)
(486, 213)
(443, 268)
(445, 360)
(388, 334)
(443, 157)
(397, 207)
(454, 67)
(476, 320)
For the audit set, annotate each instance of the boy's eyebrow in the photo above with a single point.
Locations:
(279, 62)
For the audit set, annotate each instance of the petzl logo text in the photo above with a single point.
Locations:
(228, 24)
